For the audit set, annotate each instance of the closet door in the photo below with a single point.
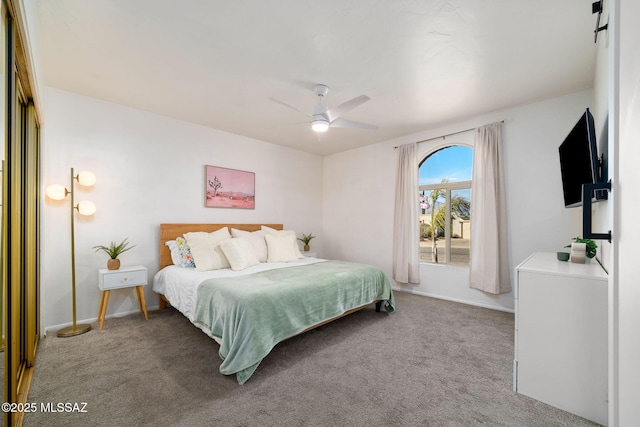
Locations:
(20, 225)
(9, 377)
(30, 301)
(3, 195)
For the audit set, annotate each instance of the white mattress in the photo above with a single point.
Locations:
(179, 285)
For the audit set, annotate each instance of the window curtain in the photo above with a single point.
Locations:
(489, 270)
(406, 229)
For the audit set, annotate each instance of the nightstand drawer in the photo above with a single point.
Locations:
(123, 278)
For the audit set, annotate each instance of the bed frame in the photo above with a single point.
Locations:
(171, 231)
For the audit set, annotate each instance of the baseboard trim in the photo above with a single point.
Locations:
(461, 301)
(54, 328)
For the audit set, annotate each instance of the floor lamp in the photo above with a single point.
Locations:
(60, 192)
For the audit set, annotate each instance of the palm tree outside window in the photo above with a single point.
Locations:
(445, 205)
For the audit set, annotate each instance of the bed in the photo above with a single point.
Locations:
(250, 311)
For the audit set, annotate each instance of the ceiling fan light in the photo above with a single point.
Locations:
(320, 125)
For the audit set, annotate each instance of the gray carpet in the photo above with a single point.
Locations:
(432, 363)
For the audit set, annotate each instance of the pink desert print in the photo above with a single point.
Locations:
(229, 188)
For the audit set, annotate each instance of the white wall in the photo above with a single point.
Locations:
(150, 170)
(626, 182)
(359, 195)
(603, 213)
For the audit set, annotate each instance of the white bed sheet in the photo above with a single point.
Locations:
(179, 285)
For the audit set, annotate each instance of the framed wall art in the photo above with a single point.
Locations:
(229, 188)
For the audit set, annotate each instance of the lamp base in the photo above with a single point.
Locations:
(72, 331)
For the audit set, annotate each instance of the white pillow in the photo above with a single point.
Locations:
(281, 248)
(205, 249)
(239, 253)
(256, 238)
(176, 258)
(275, 232)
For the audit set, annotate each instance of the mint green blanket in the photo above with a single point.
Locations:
(251, 314)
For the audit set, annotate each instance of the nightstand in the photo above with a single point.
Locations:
(125, 277)
(310, 254)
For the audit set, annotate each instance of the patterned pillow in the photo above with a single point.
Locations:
(180, 252)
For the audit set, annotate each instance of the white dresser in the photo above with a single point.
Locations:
(561, 334)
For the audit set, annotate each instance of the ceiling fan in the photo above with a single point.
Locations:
(323, 118)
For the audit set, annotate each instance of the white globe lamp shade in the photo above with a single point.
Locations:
(86, 208)
(56, 191)
(86, 179)
(320, 125)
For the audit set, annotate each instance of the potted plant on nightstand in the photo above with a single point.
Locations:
(306, 238)
(581, 248)
(114, 251)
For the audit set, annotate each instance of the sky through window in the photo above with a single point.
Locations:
(453, 163)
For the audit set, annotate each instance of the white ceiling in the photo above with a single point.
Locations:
(423, 63)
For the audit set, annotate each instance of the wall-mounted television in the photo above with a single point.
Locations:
(579, 163)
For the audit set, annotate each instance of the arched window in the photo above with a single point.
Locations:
(445, 205)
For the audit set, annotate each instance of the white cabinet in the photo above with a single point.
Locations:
(561, 334)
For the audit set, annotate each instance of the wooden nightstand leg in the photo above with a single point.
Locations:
(138, 292)
(141, 301)
(103, 306)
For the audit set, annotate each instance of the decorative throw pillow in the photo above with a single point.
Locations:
(239, 253)
(256, 238)
(280, 248)
(275, 232)
(180, 252)
(205, 248)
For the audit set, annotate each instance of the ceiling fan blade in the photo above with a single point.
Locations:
(350, 124)
(290, 106)
(345, 107)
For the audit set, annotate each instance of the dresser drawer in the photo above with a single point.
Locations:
(123, 278)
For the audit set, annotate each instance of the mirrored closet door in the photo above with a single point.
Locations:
(20, 217)
(3, 147)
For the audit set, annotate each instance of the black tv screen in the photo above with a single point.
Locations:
(579, 160)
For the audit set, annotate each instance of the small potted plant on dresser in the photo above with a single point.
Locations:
(581, 248)
(306, 238)
(114, 251)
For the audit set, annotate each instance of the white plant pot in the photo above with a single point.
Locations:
(578, 252)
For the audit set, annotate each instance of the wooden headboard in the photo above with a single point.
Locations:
(171, 231)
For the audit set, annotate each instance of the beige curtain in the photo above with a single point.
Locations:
(406, 229)
(489, 255)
